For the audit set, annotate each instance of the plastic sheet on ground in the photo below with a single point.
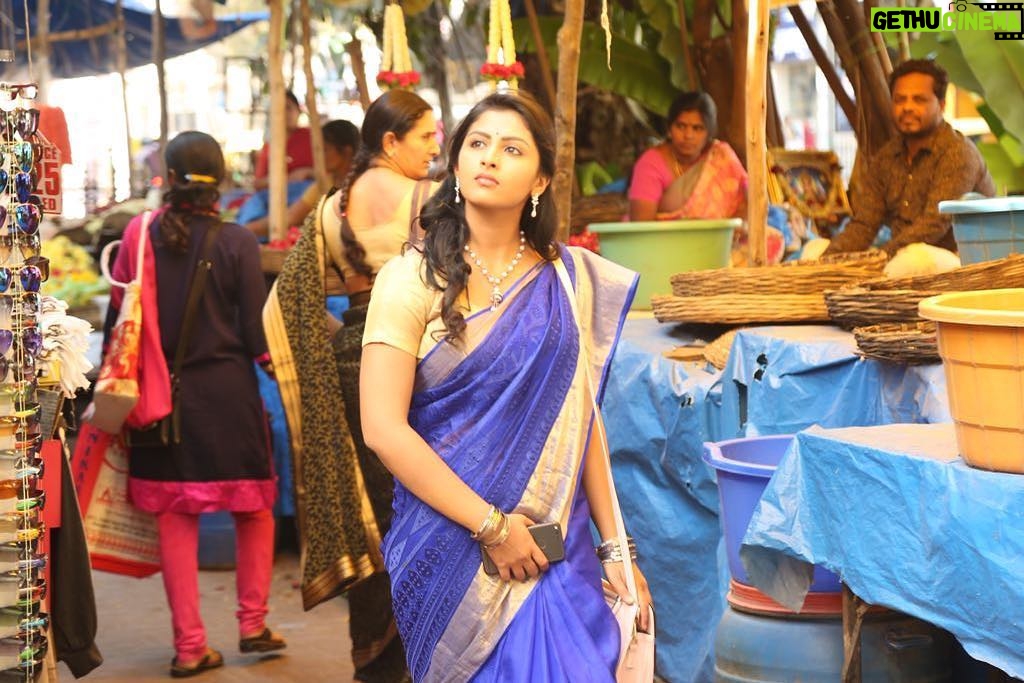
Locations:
(906, 524)
(656, 418)
(781, 379)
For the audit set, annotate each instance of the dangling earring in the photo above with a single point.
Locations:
(535, 201)
(457, 199)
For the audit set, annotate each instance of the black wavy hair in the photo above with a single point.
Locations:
(699, 102)
(190, 154)
(444, 221)
(928, 67)
(396, 111)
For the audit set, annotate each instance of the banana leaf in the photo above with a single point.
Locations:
(1008, 176)
(663, 16)
(636, 73)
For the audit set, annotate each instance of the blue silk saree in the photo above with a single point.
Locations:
(508, 411)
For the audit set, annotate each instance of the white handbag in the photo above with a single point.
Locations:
(636, 647)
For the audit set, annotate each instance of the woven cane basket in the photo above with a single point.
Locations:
(857, 306)
(804, 278)
(717, 352)
(1004, 273)
(908, 343)
(740, 309)
(873, 258)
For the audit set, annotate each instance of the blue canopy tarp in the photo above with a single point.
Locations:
(96, 55)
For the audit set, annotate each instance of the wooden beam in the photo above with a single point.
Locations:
(876, 39)
(78, 34)
(843, 98)
(121, 59)
(316, 134)
(354, 48)
(278, 167)
(854, 611)
(684, 39)
(542, 53)
(562, 184)
(159, 52)
(756, 110)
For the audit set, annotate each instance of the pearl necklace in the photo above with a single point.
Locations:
(496, 280)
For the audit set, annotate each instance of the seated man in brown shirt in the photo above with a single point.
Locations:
(927, 162)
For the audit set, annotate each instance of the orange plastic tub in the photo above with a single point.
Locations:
(981, 342)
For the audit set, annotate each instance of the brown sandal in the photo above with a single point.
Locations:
(211, 660)
(267, 641)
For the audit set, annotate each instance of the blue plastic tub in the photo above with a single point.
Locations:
(987, 229)
(744, 467)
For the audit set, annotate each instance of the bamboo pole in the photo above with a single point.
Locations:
(278, 167)
(542, 52)
(824, 63)
(354, 48)
(877, 41)
(684, 37)
(121, 58)
(904, 38)
(565, 112)
(316, 134)
(757, 162)
(740, 75)
(42, 65)
(159, 51)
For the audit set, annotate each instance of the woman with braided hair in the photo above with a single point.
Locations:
(220, 456)
(343, 493)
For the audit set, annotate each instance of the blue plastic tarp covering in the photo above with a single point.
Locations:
(96, 55)
(656, 419)
(787, 378)
(906, 524)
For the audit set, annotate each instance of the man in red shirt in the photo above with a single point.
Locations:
(298, 148)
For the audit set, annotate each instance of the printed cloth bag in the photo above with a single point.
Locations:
(121, 538)
(117, 388)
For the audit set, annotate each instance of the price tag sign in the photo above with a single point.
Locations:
(48, 185)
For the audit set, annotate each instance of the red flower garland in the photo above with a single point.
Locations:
(493, 71)
(398, 79)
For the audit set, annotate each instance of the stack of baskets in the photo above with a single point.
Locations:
(883, 312)
(765, 294)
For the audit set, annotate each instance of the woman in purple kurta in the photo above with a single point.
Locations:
(475, 394)
(222, 461)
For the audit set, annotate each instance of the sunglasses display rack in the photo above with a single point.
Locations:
(23, 623)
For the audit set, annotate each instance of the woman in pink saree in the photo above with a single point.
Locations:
(691, 174)
(475, 395)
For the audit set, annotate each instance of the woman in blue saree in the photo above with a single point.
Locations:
(474, 394)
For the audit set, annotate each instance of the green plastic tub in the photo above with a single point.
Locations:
(660, 249)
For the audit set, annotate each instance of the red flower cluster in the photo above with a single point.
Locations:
(499, 72)
(587, 240)
(398, 79)
(289, 240)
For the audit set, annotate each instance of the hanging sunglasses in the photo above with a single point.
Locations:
(30, 276)
(18, 371)
(24, 122)
(17, 243)
(27, 91)
(31, 337)
(27, 216)
(24, 185)
(14, 622)
(20, 155)
(12, 306)
(17, 409)
(17, 560)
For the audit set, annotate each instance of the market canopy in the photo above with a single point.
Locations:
(92, 48)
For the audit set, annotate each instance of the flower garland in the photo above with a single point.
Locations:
(503, 66)
(396, 66)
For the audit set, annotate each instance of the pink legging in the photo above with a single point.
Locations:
(179, 561)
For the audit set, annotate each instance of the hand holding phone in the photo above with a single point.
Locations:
(547, 536)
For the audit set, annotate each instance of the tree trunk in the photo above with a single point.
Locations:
(278, 168)
(435, 67)
(824, 63)
(316, 134)
(737, 130)
(159, 52)
(542, 55)
(355, 52)
(562, 184)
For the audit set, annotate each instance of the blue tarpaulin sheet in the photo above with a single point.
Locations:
(787, 378)
(656, 419)
(906, 524)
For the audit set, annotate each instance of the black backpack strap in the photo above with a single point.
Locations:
(195, 295)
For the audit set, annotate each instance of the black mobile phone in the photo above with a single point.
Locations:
(547, 536)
